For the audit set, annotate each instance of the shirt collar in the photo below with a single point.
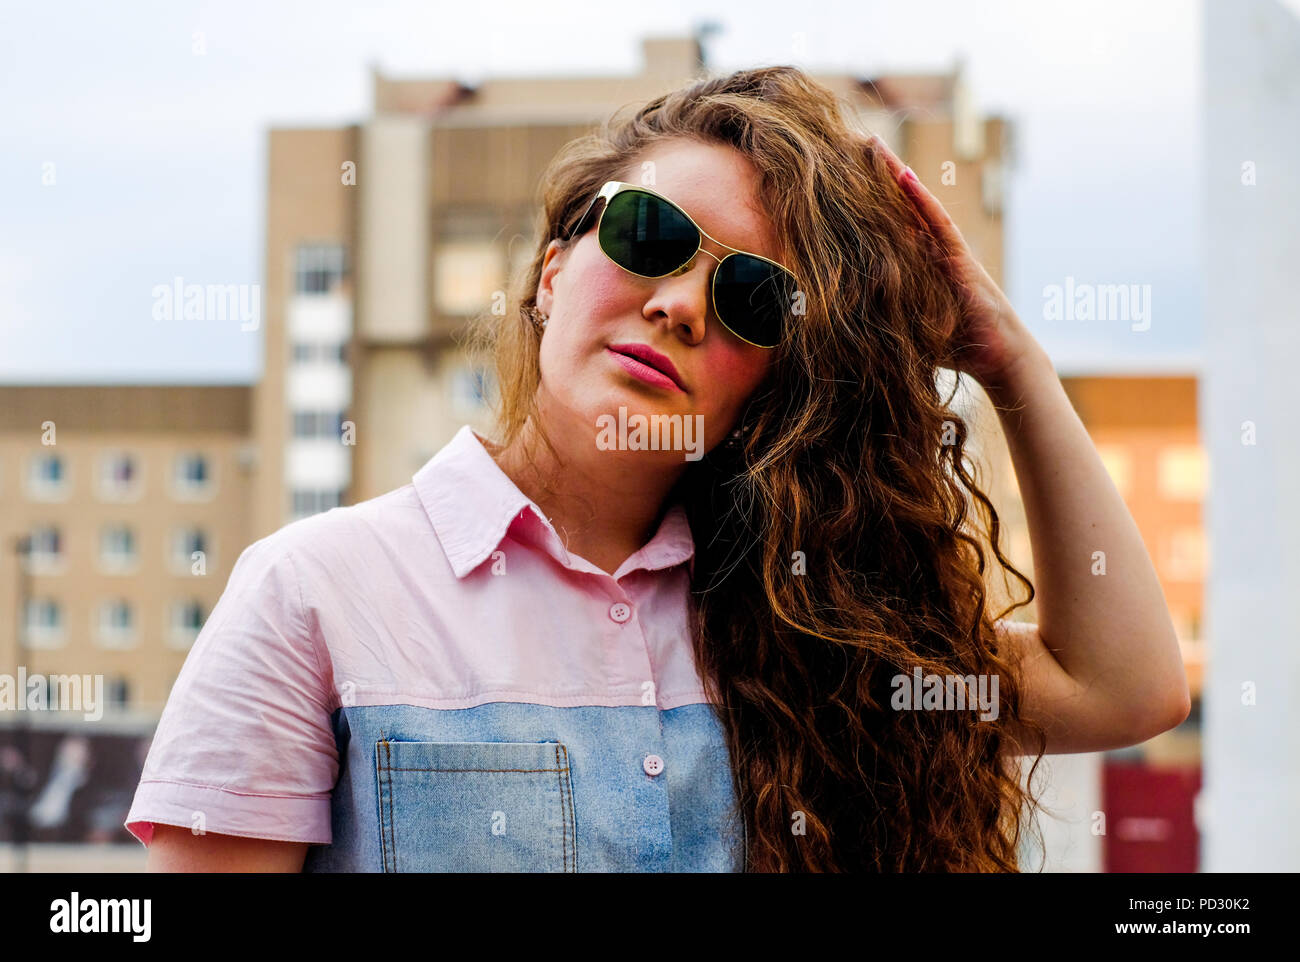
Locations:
(472, 503)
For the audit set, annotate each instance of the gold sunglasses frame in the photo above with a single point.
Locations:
(612, 188)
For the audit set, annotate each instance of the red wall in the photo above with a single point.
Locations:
(1149, 818)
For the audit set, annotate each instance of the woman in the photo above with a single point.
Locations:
(582, 649)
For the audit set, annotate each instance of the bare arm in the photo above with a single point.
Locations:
(175, 849)
(1102, 669)
(1071, 721)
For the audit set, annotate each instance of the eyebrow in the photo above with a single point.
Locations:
(740, 250)
(625, 185)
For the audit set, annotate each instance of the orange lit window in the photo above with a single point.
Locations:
(467, 275)
(1181, 474)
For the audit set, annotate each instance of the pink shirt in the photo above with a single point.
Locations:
(451, 593)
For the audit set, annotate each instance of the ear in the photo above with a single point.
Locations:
(552, 262)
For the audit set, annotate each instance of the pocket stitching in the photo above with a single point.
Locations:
(382, 776)
(568, 815)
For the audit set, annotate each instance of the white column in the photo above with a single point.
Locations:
(1251, 132)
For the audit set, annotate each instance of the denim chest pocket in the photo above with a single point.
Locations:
(475, 807)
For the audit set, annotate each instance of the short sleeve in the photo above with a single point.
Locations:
(245, 744)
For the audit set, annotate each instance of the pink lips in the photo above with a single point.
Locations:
(647, 364)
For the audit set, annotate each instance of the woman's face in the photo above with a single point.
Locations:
(592, 304)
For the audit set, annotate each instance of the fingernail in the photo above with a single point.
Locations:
(908, 174)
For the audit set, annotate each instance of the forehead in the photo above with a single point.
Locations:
(716, 185)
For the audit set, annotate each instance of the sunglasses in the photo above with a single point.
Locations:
(648, 235)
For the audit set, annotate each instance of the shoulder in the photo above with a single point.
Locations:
(393, 515)
(365, 543)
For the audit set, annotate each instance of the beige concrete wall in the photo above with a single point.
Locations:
(392, 230)
(409, 412)
(307, 201)
(928, 145)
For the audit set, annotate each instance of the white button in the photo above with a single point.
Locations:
(620, 612)
(653, 764)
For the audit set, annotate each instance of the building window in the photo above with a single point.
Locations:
(308, 351)
(186, 622)
(1182, 473)
(471, 389)
(309, 501)
(1119, 465)
(44, 623)
(116, 624)
(192, 477)
(319, 268)
(46, 478)
(45, 551)
(466, 275)
(1186, 554)
(117, 550)
(188, 547)
(119, 477)
(117, 694)
(318, 424)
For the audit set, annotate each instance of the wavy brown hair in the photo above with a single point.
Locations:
(847, 540)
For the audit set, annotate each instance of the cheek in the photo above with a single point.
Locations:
(598, 289)
(735, 373)
(595, 296)
(740, 371)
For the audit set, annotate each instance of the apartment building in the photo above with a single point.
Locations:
(134, 503)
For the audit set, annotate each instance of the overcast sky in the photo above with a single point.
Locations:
(159, 155)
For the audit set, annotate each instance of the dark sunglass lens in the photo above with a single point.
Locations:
(646, 235)
(754, 298)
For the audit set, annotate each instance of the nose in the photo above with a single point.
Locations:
(684, 297)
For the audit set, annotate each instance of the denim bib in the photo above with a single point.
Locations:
(519, 787)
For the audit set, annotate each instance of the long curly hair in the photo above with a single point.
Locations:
(845, 542)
